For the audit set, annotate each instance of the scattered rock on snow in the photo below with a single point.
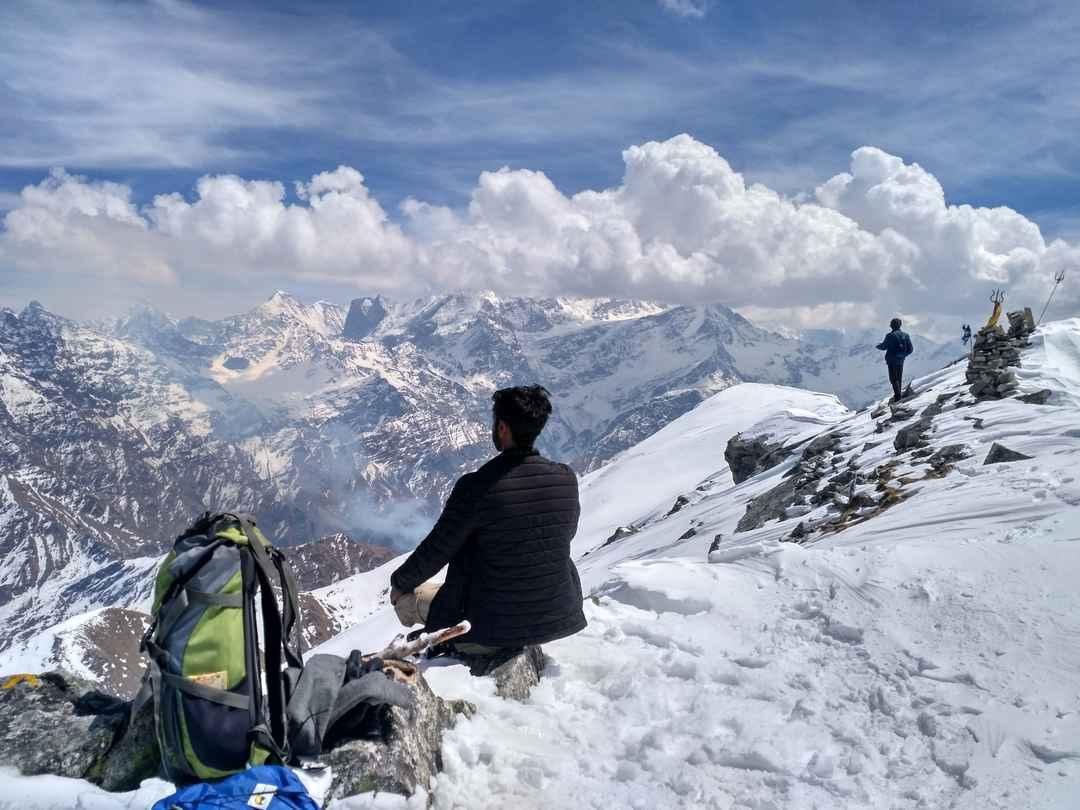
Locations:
(912, 436)
(619, 534)
(949, 454)
(1037, 398)
(768, 505)
(680, 502)
(825, 443)
(1000, 454)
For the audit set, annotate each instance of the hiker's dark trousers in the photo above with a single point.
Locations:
(896, 377)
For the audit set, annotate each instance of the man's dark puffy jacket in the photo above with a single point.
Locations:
(897, 346)
(505, 532)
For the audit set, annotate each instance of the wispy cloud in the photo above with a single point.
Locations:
(165, 84)
(685, 8)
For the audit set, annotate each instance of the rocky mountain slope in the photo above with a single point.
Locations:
(320, 421)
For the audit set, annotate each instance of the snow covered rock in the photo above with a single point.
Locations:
(514, 676)
(747, 456)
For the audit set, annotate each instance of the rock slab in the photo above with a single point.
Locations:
(1000, 454)
(57, 724)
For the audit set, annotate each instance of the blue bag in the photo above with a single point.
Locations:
(264, 786)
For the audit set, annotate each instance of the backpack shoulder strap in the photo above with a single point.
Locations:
(274, 643)
(292, 640)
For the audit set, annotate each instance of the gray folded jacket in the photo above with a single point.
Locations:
(330, 702)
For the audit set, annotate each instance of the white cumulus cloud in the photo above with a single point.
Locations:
(682, 226)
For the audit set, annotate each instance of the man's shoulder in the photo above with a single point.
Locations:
(566, 469)
(505, 463)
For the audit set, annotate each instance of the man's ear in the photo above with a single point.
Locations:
(506, 437)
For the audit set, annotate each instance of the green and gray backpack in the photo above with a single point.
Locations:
(219, 695)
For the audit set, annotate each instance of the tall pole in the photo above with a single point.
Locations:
(1058, 278)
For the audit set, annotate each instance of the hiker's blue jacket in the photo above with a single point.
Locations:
(897, 346)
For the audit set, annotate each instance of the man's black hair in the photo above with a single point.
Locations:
(525, 409)
(895, 323)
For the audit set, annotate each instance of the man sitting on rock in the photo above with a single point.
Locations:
(505, 534)
(897, 346)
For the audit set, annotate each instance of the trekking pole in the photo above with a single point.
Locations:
(1058, 278)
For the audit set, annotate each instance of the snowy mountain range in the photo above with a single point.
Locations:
(322, 420)
(881, 614)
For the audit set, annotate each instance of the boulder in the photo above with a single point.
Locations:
(747, 457)
(57, 724)
(912, 436)
(1037, 398)
(515, 676)
(1000, 454)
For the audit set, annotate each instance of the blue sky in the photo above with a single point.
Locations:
(422, 97)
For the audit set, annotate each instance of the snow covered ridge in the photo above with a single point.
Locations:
(113, 435)
(920, 655)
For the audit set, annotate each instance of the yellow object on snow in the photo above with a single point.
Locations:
(15, 680)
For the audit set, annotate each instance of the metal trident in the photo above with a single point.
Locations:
(1059, 277)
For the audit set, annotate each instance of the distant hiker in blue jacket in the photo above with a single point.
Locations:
(897, 346)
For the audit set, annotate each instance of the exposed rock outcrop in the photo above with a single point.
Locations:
(365, 315)
(57, 724)
(1000, 454)
(746, 457)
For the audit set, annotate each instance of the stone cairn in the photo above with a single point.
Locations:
(990, 369)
